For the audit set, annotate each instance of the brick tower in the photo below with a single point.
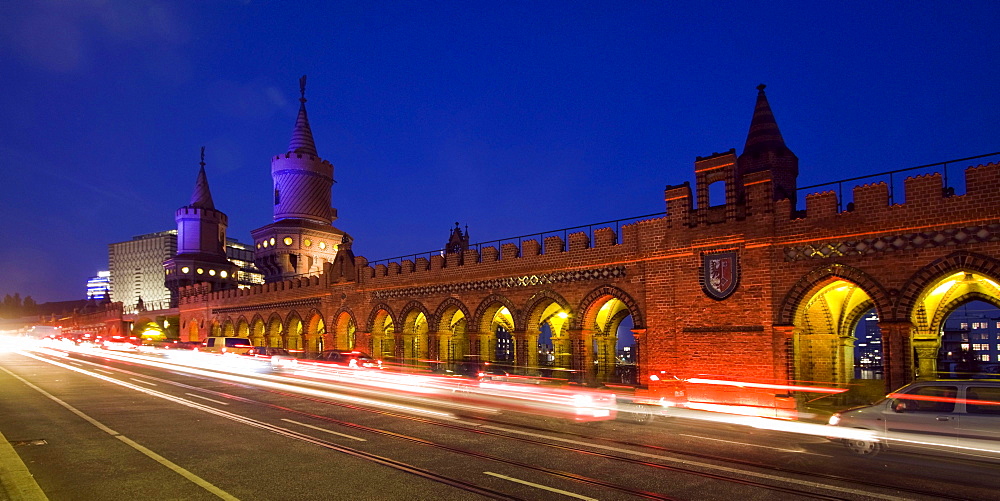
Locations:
(301, 239)
(201, 243)
(765, 150)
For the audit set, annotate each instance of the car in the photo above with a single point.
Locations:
(120, 343)
(957, 416)
(475, 367)
(235, 345)
(279, 358)
(349, 358)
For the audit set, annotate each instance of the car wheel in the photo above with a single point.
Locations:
(637, 413)
(861, 447)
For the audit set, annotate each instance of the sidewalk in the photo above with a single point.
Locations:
(16, 482)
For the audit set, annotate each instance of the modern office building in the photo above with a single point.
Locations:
(868, 348)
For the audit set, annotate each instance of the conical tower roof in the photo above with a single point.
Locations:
(202, 196)
(764, 134)
(302, 136)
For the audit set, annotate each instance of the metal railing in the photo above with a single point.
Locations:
(892, 175)
(564, 233)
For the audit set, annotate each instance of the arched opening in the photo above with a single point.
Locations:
(346, 332)
(824, 340)
(293, 339)
(452, 340)
(938, 302)
(492, 316)
(228, 329)
(414, 337)
(258, 334)
(274, 332)
(610, 325)
(192, 331)
(970, 342)
(383, 336)
(242, 328)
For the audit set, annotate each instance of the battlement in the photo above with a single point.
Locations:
(300, 155)
(192, 294)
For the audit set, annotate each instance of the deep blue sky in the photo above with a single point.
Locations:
(511, 117)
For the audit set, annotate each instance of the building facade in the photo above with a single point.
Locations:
(136, 268)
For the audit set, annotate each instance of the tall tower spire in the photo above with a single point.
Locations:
(765, 149)
(302, 136)
(202, 196)
(301, 240)
(201, 243)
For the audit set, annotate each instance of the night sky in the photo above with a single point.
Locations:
(509, 117)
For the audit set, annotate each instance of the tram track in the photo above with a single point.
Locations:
(548, 442)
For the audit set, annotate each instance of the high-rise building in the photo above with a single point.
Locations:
(137, 270)
(99, 287)
(868, 348)
(302, 238)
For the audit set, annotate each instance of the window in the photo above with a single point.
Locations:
(931, 399)
(983, 400)
(963, 325)
(277, 197)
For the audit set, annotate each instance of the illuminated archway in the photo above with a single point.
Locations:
(824, 331)
(494, 312)
(293, 339)
(935, 304)
(228, 329)
(242, 328)
(192, 331)
(345, 332)
(604, 312)
(452, 341)
(383, 333)
(273, 335)
(258, 332)
(315, 336)
(414, 335)
(546, 333)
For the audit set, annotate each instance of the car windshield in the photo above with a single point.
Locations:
(235, 341)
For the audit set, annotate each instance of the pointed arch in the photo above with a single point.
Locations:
(538, 304)
(344, 324)
(957, 261)
(488, 307)
(806, 285)
(446, 311)
(588, 314)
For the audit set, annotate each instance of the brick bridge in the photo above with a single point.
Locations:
(749, 288)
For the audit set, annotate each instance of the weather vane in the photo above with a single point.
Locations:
(202, 156)
(302, 87)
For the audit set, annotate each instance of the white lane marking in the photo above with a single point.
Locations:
(204, 484)
(104, 371)
(359, 439)
(143, 382)
(206, 398)
(750, 445)
(539, 486)
(687, 462)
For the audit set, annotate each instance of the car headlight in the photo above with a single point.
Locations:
(834, 419)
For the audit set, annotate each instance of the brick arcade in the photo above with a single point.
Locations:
(750, 287)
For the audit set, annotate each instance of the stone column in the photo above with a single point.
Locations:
(897, 359)
(486, 352)
(927, 353)
(607, 358)
(782, 349)
(475, 340)
(582, 355)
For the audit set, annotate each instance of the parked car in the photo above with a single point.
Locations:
(942, 415)
(279, 358)
(237, 345)
(349, 358)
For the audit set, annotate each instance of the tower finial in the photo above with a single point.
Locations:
(759, 87)
(302, 88)
(202, 156)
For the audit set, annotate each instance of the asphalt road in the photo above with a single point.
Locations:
(88, 426)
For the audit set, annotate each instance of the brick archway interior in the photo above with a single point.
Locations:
(824, 321)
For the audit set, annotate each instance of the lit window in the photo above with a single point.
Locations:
(223, 274)
(307, 242)
(272, 240)
(287, 240)
(963, 325)
(322, 245)
(211, 272)
(265, 246)
(199, 271)
(185, 270)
